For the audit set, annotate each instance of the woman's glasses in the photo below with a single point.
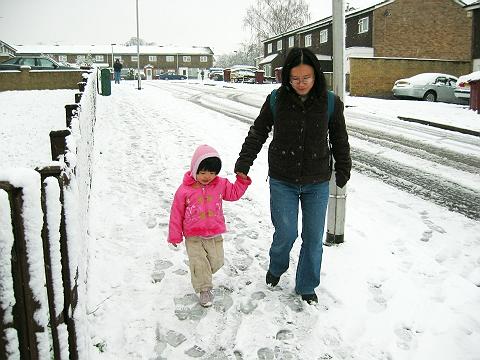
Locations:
(303, 80)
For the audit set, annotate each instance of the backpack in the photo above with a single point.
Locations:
(330, 103)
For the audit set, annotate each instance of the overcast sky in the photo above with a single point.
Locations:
(213, 23)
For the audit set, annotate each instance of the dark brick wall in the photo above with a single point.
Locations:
(429, 29)
(39, 80)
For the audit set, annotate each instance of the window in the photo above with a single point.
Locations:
(203, 59)
(269, 48)
(308, 40)
(291, 41)
(98, 57)
(45, 63)
(279, 45)
(268, 69)
(170, 58)
(27, 61)
(134, 58)
(80, 58)
(323, 36)
(152, 58)
(117, 57)
(62, 58)
(187, 58)
(363, 25)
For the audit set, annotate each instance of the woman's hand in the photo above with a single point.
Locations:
(242, 175)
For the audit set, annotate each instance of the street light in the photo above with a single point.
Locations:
(138, 54)
(112, 53)
(337, 199)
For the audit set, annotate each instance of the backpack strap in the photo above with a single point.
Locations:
(330, 103)
(273, 100)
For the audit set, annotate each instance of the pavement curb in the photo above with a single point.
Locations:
(441, 126)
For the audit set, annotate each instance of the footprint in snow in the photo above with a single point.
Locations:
(405, 337)
(158, 274)
(378, 302)
(188, 307)
(195, 352)
(252, 303)
(430, 224)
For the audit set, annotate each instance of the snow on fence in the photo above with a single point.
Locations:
(43, 243)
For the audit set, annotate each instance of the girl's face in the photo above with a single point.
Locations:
(302, 78)
(205, 177)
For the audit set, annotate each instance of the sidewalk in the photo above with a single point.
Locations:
(448, 116)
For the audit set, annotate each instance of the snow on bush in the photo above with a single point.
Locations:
(76, 201)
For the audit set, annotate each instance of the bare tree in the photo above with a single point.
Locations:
(268, 18)
(133, 42)
(245, 55)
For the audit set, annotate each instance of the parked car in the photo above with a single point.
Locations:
(428, 87)
(462, 90)
(242, 75)
(167, 76)
(35, 63)
(214, 73)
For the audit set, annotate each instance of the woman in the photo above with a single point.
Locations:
(299, 160)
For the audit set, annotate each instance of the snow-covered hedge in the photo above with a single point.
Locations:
(76, 202)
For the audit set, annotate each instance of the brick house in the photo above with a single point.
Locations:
(154, 60)
(426, 29)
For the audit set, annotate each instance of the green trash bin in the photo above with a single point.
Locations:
(106, 82)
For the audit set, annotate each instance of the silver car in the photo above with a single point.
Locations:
(427, 86)
(35, 63)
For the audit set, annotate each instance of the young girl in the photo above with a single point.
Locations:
(197, 215)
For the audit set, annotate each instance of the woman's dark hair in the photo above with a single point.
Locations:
(213, 164)
(297, 56)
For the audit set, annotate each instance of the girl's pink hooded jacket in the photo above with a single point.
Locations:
(197, 209)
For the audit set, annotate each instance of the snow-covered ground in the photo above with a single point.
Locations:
(404, 285)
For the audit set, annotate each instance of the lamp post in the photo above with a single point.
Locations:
(337, 199)
(138, 53)
(112, 53)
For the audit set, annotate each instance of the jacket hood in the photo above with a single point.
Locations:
(201, 153)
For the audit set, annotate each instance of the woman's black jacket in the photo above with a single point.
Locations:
(303, 140)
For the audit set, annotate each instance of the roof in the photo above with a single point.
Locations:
(268, 59)
(3, 43)
(107, 49)
(473, 6)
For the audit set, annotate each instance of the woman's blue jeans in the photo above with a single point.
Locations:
(284, 200)
(117, 77)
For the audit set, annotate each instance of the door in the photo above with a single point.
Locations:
(149, 74)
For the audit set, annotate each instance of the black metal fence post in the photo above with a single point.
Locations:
(25, 304)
